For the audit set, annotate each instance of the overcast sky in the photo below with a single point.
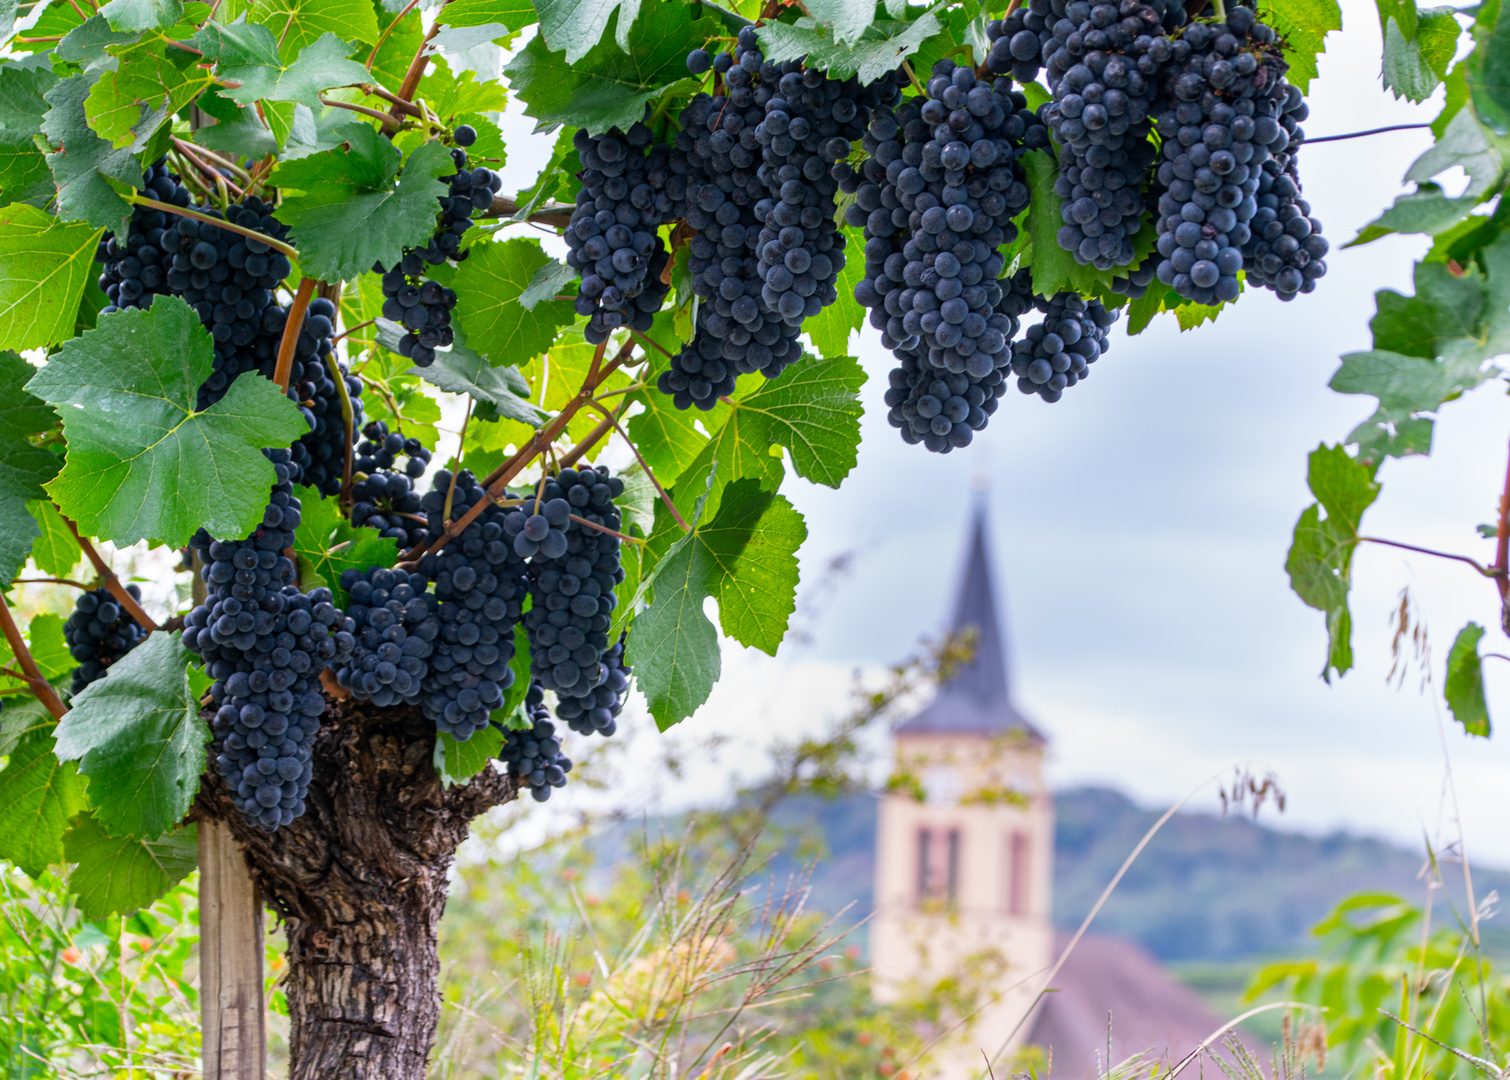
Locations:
(1140, 527)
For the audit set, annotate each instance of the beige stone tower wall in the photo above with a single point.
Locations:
(1001, 852)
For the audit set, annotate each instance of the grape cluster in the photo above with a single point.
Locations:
(937, 197)
(264, 642)
(1223, 99)
(385, 498)
(395, 623)
(1055, 354)
(480, 584)
(573, 571)
(421, 306)
(100, 632)
(136, 269)
(534, 755)
(1284, 252)
(1103, 61)
(629, 189)
(597, 712)
(928, 402)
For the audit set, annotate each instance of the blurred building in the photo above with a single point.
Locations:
(964, 850)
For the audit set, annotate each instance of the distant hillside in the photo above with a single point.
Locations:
(1206, 888)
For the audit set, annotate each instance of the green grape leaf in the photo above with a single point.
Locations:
(1415, 64)
(458, 39)
(44, 265)
(88, 44)
(24, 176)
(1487, 69)
(575, 26)
(509, 713)
(133, 15)
(49, 647)
(745, 559)
(1321, 555)
(847, 20)
(348, 212)
(550, 280)
(1303, 26)
(326, 545)
(142, 463)
(118, 875)
(667, 437)
(138, 737)
(1425, 210)
(515, 14)
(1467, 144)
(55, 551)
(248, 53)
(397, 50)
(151, 75)
(244, 135)
(812, 410)
(23, 471)
(488, 286)
(38, 796)
(500, 391)
(829, 330)
(83, 164)
(458, 762)
(878, 51)
(449, 94)
(20, 714)
(298, 23)
(1464, 685)
(609, 86)
(21, 413)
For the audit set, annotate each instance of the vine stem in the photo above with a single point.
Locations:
(417, 65)
(391, 124)
(349, 419)
(210, 155)
(646, 466)
(39, 686)
(1359, 134)
(291, 329)
(497, 483)
(353, 330)
(405, 107)
(1487, 571)
(605, 529)
(108, 578)
(222, 223)
(52, 581)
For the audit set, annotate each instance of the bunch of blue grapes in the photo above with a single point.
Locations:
(937, 197)
(264, 643)
(384, 498)
(928, 402)
(1226, 146)
(599, 712)
(1103, 60)
(480, 585)
(534, 755)
(230, 280)
(1057, 353)
(574, 569)
(421, 306)
(396, 622)
(100, 632)
(630, 187)
(1285, 249)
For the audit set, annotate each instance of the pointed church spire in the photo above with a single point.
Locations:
(978, 698)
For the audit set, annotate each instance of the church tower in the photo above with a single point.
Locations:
(964, 858)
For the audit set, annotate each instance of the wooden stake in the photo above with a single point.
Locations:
(230, 960)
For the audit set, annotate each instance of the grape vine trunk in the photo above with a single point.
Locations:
(359, 883)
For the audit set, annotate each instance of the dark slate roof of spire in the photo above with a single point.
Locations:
(977, 699)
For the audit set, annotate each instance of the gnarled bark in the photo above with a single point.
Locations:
(360, 884)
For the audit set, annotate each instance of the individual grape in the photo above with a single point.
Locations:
(100, 632)
(937, 198)
(574, 569)
(698, 61)
(395, 624)
(480, 584)
(264, 643)
(1056, 354)
(534, 756)
(629, 189)
(597, 713)
(465, 135)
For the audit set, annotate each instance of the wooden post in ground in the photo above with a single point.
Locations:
(230, 960)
